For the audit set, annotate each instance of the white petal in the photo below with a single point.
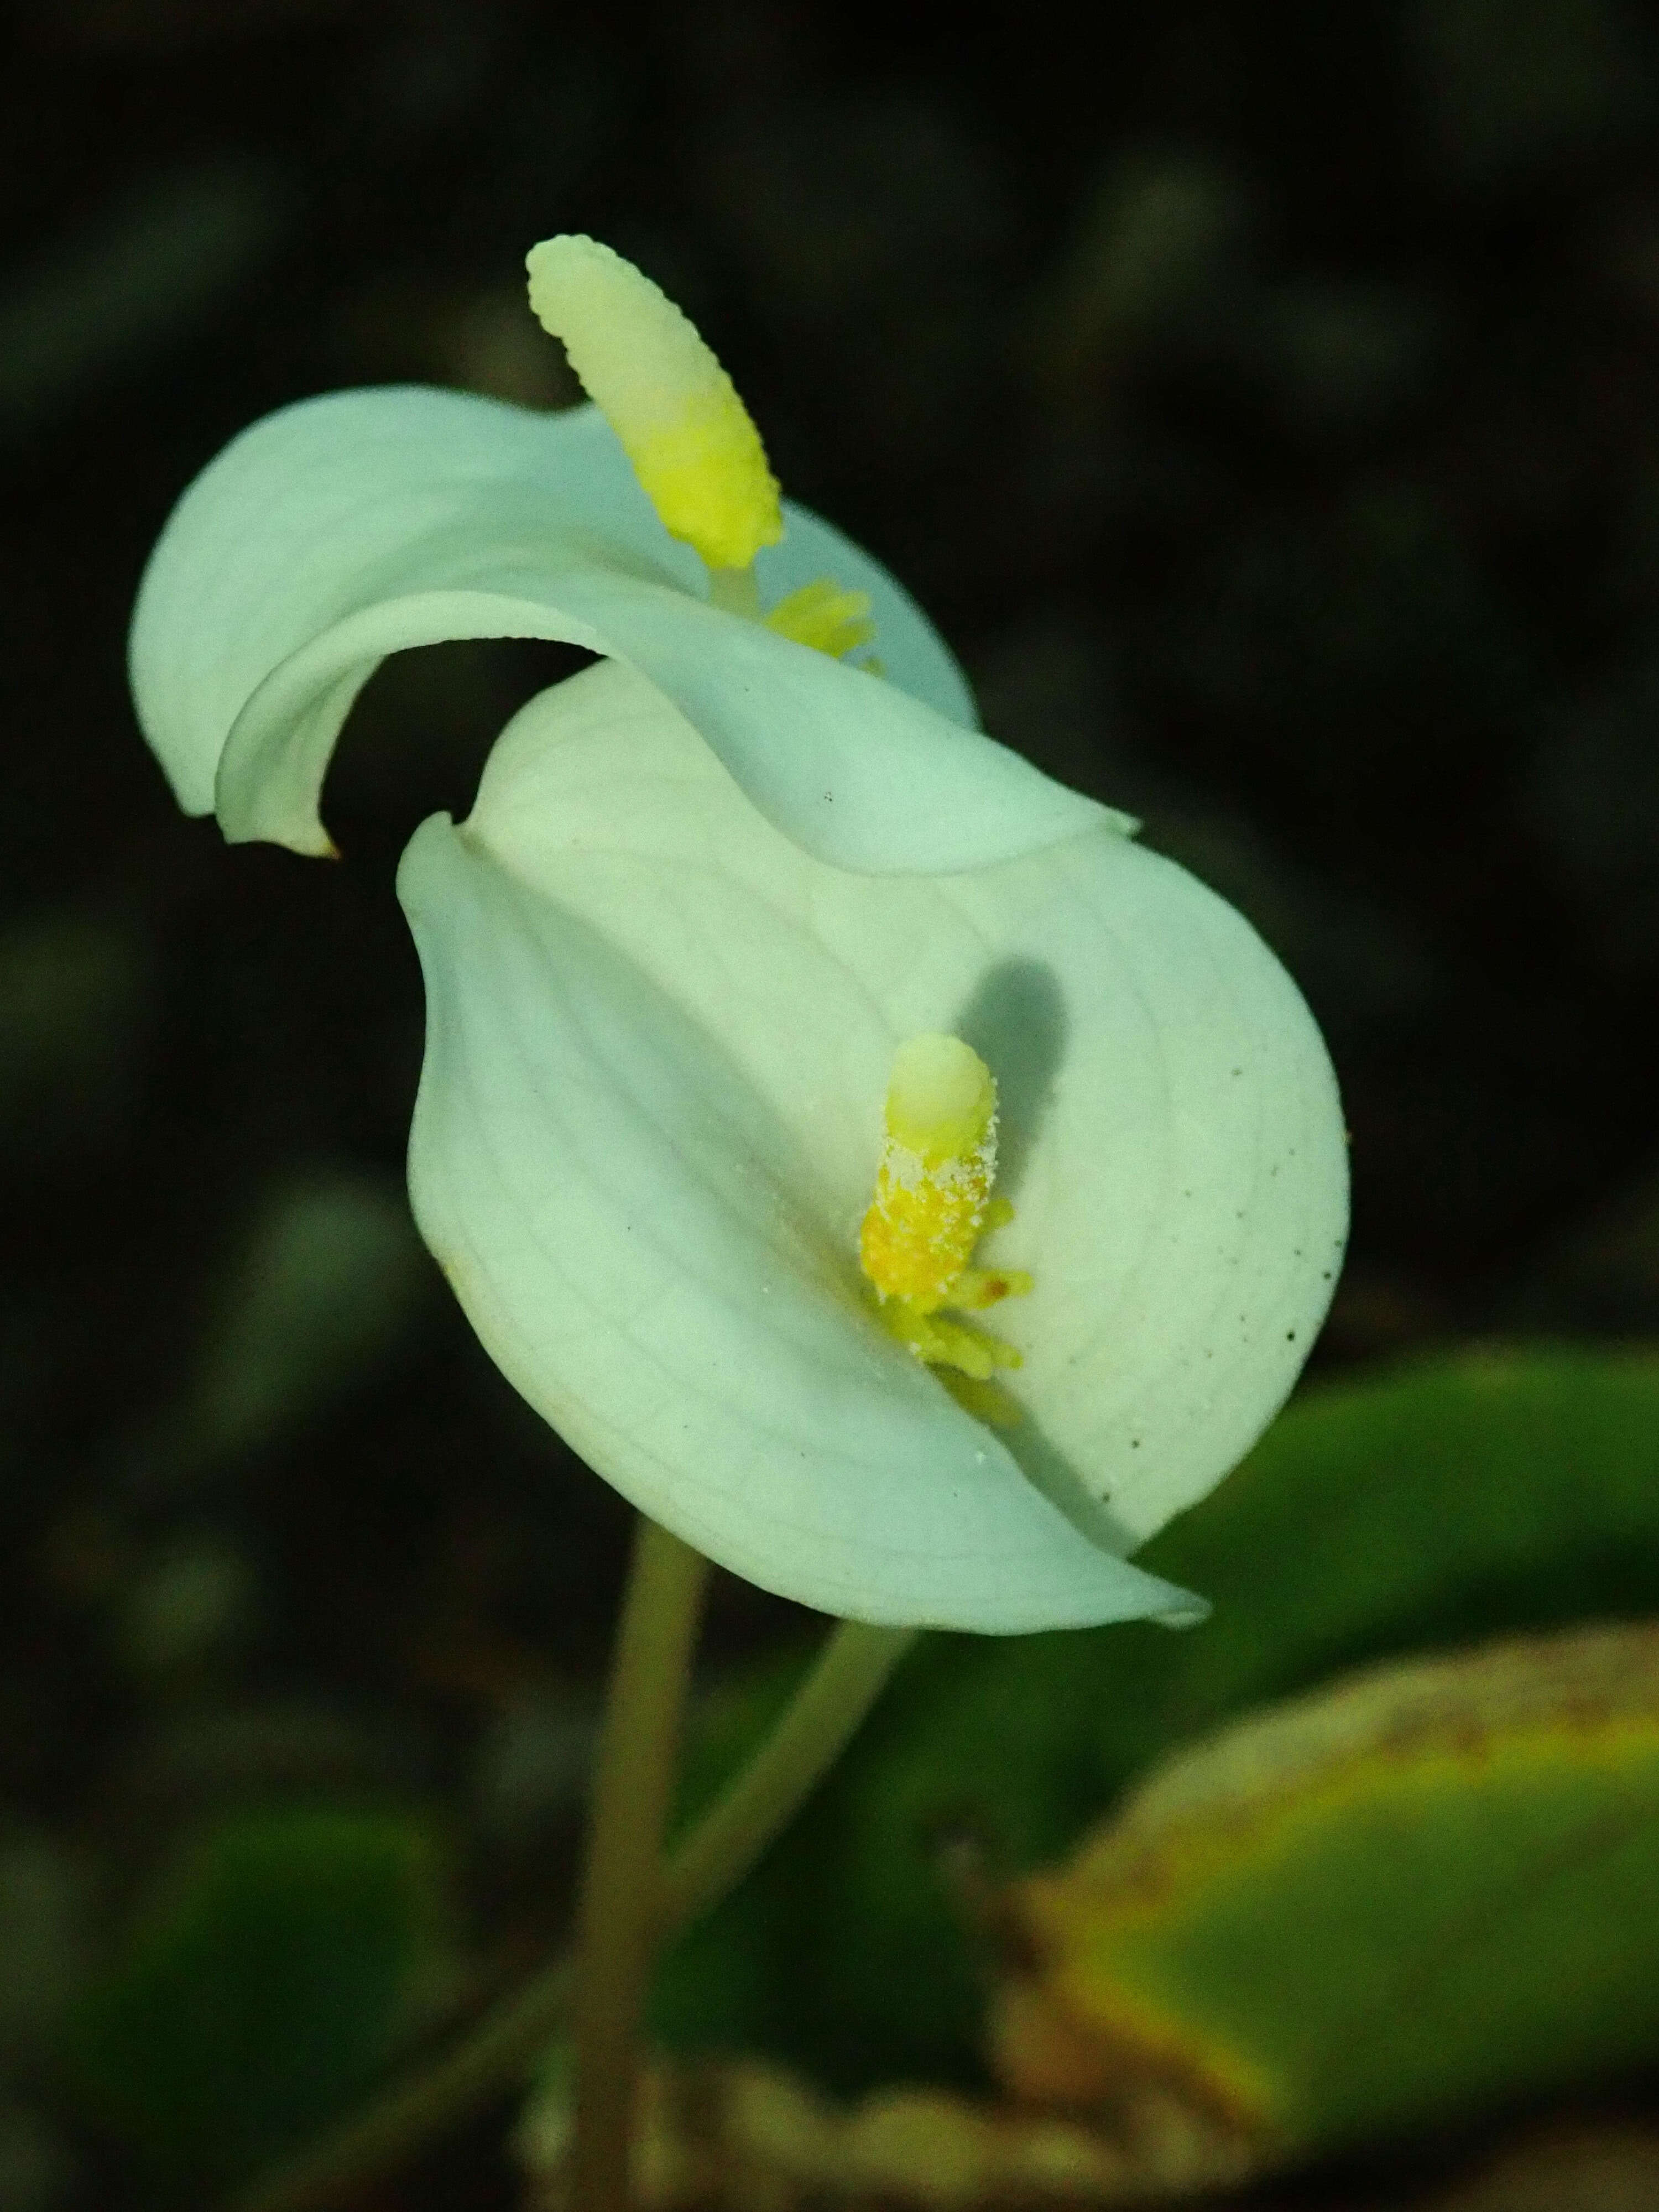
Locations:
(351, 527)
(643, 1248)
(1170, 1131)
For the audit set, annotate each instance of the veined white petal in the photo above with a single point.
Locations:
(1170, 1132)
(642, 1246)
(349, 527)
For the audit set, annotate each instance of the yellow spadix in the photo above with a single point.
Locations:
(675, 411)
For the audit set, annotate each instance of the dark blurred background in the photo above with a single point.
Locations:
(1267, 409)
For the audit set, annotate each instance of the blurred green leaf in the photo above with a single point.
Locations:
(1375, 1906)
(1455, 1499)
(327, 1280)
(263, 1991)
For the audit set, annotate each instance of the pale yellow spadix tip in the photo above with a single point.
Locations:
(673, 408)
(941, 1098)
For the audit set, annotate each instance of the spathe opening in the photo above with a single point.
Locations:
(418, 736)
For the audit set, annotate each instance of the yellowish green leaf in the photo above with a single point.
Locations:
(1430, 1887)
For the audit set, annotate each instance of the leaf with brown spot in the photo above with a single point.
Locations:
(1391, 1903)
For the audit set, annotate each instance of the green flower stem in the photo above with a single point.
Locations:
(813, 1730)
(501, 2048)
(618, 1918)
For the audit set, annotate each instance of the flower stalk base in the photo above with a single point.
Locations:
(618, 1918)
(811, 1734)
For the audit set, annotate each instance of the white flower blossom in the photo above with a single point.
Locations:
(709, 889)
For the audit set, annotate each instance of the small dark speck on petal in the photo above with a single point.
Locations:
(1289, 1336)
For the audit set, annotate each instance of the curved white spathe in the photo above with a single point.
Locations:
(621, 1219)
(351, 527)
(648, 1126)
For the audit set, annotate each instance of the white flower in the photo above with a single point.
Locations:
(709, 887)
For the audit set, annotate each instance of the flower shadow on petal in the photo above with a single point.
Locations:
(1016, 1021)
(1049, 1471)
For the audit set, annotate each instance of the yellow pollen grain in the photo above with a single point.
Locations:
(675, 411)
